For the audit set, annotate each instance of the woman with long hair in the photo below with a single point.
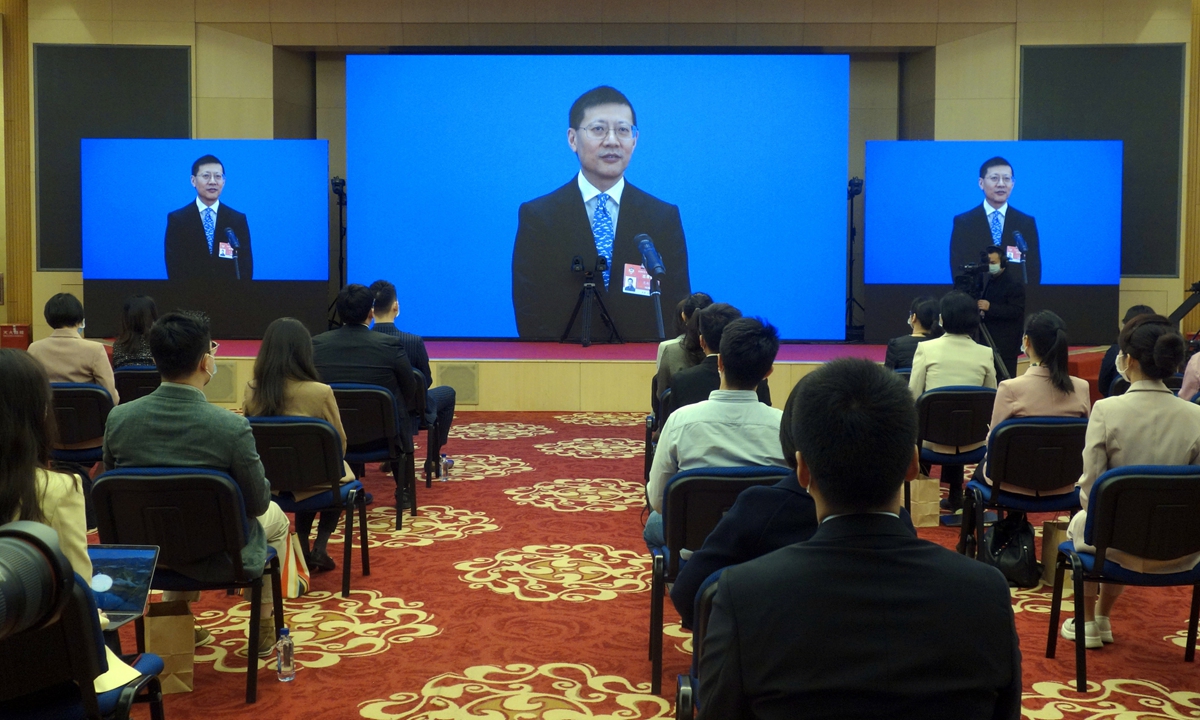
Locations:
(286, 383)
(138, 314)
(683, 351)
(29, 489)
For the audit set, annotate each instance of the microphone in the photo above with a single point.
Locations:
(229, 234)
(233, 241)
(1024, 248)
(650, 257)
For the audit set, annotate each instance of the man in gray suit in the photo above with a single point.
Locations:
(175, 426)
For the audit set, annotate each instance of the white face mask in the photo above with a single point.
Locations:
(212, 374)
(82, 325)
(994, 268)
(1024, 351)
(1125, 369)
(909, 321)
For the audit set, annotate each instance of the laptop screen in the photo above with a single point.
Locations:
(121, 576)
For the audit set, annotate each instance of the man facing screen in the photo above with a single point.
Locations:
(206, 239)
(997, 223)
(597, 213)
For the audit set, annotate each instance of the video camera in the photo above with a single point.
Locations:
(969, 278)
(35, 577)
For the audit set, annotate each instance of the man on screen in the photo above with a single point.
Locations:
(997, 223)
(597, 213)
(206, 239)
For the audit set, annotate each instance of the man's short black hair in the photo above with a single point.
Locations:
(1136, 310)
(711, 322)
(384, 293)
(960, 313)
(748, 349)
(855, 426)
(603, 95)
(994, 162)
(206, 160)
(996, 250)
(178, 341)
(354, 304)
(64, 310)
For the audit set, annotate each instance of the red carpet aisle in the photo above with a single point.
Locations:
(522, 591)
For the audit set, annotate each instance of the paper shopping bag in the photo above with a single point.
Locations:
(170, 635)
(924, 495)
(294, 573)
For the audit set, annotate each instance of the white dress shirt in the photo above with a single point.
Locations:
(216, 207)
(590, 192)
(988, 210)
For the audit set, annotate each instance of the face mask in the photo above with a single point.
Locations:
(1123, 368)
(82, 325)
(994, 268)
(212, 374)
(1023, 350)
(910, 321)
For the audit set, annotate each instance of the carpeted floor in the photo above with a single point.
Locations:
(522, 591)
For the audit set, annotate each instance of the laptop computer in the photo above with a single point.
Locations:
(121, 576)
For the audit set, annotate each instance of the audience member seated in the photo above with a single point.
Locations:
(729, 429)
(683, 351)
(922, 318)
(1108, 366)
(1147, 425)
(286, 383)
(131, 346)
(953, 359)
(762, 520)
(65, 355)
(864, 620)
(439, 401)
(1046, 389)
(695, 383)
(175, 426)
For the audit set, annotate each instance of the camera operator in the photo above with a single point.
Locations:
(1002, 307)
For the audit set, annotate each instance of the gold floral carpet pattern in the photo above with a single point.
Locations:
(522, 590)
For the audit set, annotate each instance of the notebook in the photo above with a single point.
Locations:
(121, 577)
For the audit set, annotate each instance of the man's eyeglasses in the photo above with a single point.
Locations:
(215, 345)
(599, 131)
(997, 179)
(206, 177)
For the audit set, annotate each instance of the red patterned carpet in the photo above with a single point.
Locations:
(522, 591)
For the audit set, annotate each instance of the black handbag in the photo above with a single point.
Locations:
(1008, 545)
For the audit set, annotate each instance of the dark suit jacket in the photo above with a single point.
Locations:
(691, 385)
(1005, 317)
(862, 621)
(900, 351)
(1108, 369)
(554, 228)
(972, 234)
(186, 246)
(354, 354)
(418, 357)
(176, 426)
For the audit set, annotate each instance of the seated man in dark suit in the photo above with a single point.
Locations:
(729, 429)
(206, 239)
(354, 354)
(692, 385)
(439, 401)
(596, 214)
(995, 222)
(1108, 366)
(863, 620)
(175, 426)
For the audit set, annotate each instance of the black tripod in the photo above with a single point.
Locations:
(588, 296)
(853, 332)
(1001, 368)
(339, 189)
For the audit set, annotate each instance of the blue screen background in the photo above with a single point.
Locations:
(914, 189)
(442, 150)
(281, 186)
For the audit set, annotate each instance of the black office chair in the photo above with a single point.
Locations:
(433, 447)
(905, 373)
(192, 515)
(1037, 453)
(957, 416)
(1119, 386)
(370, 417)
(694, 501)
(300, 453)
(1148, 511)
(80, 411)
(136, 381)
(1174, 383)
(687, 687)
(654, 424)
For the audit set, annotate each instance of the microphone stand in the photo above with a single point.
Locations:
(656, 294)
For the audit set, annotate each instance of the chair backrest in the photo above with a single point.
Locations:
(1148, 511)
(1119, 386)
(80, 410)
(654, 394)
(191, 514)
(1174, 383)
(666, 406)
(419, 398)
(1038, 453)
(298, 453)
(369, 412)
(694, 501)
(956, 415)
(904, 372)
(71, 649)
(135, 381)
(704, 604)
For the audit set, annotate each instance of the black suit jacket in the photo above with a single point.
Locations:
(900, 351)
(186, 246)
(692, 385)
(862, 621)
(1108, 369)
(971, 234)
(554, 228)
(1005, 316)
(354, 354)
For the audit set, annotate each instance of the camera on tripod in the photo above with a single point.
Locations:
(969, 278)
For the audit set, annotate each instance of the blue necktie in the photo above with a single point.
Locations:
(997, 227)
(210, 226)
(602, 229)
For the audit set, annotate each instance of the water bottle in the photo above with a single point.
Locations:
(447, 463)
(285, 661)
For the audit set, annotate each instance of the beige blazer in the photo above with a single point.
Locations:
(61, 500)
(1147, 425)
(1032, 395)
(315, 400)
(67, 357)
(951, 360)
